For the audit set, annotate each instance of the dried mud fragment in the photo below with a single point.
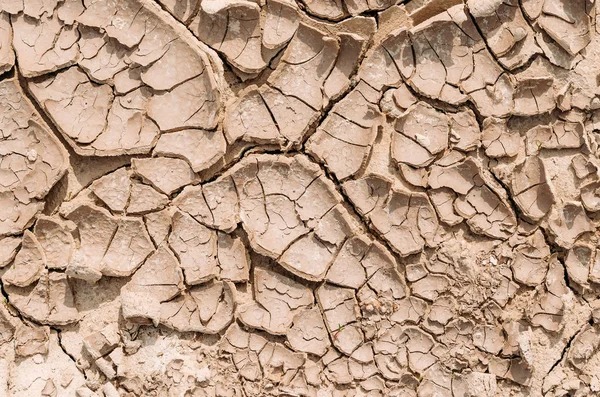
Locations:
(443, 202)
(277, 299)
(7, 55)
(344, 140)
(33, 160)
(327, 9)
(308, 333)
(578, 263)
(559, 135)
(128, 248)
(207, 308)
(96, 228)
(9, 247)
(145, 199)
(514, 369)
(567, 22)
(234, 261)
(166, 174)
(464, 131)
(347, 269)
(548, 309)
(304, 66)
(530, 262)
(281, 23)
(590, 196)
(234, 29)
(158, 280)
(531, 190)
(158, 225)
(113, 189)
(569, 222)
(29, 263)
(497, 140)
(196, 247)
(43, 45)
(488, 338)
(507, 33)
(406, 220)
(49, 301)
(201, 149)
(422, 133)
(341, 313)
(584, 346)
(583, 166)
(534, 96)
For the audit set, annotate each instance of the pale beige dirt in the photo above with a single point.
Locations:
(322, 198)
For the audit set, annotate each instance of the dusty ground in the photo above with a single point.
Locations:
(299, 198)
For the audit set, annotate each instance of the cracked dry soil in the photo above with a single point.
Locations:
(324, 198)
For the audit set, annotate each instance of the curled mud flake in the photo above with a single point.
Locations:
(442, 200)
(102, 342)
(547, 311)
(44, 45)
(33, 160)
(584, 346)
(514, 369)
(341, 313)
(583, 166)
(103, 64)
(328, 9)
(308, 257)
(347, 269)
(578, 263)
(145, 199)
(56, 239)
(7, 54)
(96, 229)
(410, 310)
(487, 212)
(179, 63)
(201, 149)
(465, 134)
(343, 142)
(78, 107)
(250, 119)
(534, 96)
(9, 246)
(351, 48)
(422, 133)
(567, 22)
(158, 225)
(531, 190)
(381, 68)
(308, 333)
(158, 280)
(234, 29)
(305, 64)
(559, 135)
(182, 10)
(113, 189)
(166, 174)
(196, 247)
(430, 287)
(488, 338)
(498, 140)
(281, 22)
(29, 263)
(49, 301)
(234, 261)
(278, 298)
(207, 308)
(508, 35)
(461, 177)
(407, 221)
(590, 196)
(530, 262)
(569, 222)
(128, 249)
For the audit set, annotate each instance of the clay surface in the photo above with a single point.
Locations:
(319, 198)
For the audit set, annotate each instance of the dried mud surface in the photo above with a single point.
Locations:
(324, 198)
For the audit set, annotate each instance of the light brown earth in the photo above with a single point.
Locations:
(324, 198)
